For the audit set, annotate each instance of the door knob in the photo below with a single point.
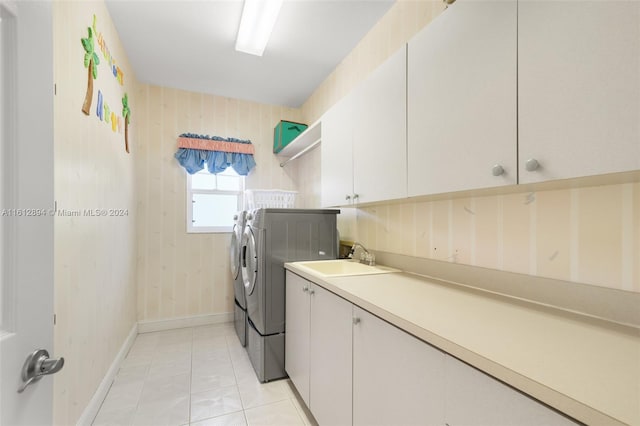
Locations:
(39, 364)
(497, 170)
(531, 164)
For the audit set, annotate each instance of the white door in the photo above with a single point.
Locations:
(26, 223)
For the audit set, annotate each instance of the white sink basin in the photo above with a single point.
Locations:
(341, 268)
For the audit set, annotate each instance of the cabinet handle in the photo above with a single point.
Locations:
(355, 197)
(356, 321)
(531, 164)
(348, 197)
(305, 289)
(312, 292)
(497, 170)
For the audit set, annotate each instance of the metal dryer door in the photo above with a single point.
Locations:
(234, 259)
(249, 260)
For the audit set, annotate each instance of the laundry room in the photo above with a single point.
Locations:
(409, 212)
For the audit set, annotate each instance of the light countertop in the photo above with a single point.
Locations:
(587, 368)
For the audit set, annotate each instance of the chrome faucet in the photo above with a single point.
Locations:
(366, 257)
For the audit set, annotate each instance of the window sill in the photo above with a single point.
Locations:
(210, 230)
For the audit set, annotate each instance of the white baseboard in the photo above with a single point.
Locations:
(91, 410)
(184, 322)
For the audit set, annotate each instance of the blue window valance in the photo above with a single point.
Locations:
(194, 151)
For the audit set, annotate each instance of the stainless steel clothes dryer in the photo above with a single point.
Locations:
(240, 305)
(271, 238)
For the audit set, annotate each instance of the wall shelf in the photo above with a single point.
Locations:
(304, 143)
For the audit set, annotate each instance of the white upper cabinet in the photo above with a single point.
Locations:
(380, 133)
(337, 153)
(579, 88)
(492, 93)
(462, 123)
(364, 139)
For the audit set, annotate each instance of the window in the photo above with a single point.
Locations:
(213, 200)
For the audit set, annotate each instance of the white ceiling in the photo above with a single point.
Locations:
(189, 45)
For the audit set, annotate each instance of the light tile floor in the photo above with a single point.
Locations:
(196, 376)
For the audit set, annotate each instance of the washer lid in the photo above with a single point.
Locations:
(249, 261)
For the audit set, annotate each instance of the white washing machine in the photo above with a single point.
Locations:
(240, 306)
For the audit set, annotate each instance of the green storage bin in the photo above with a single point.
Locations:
(285, 132)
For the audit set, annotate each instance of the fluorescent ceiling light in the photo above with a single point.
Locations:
(256, 25)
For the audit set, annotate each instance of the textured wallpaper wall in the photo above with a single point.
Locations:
(95, 288)
(180, 274)
(589, 235)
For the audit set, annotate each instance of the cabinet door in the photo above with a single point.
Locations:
(578, 88)
(337, 154)
(474, 398)
(297, 333)
(380, 133)
(397, 379)
(462, 99)
(330, 383)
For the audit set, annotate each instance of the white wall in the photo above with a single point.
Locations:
(95, 289)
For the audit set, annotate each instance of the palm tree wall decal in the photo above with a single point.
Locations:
(126, 115)
(91, 61)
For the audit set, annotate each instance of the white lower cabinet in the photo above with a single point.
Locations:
(351, 367)
(473, 398)
(296, 344)
(397, 379)
(330, 359)
(318, 349)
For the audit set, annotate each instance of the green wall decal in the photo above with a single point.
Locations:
(126, 114)
(91, 61)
